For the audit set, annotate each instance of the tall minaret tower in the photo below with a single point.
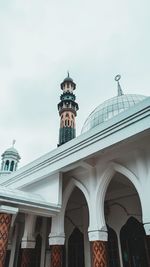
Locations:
(67, 110)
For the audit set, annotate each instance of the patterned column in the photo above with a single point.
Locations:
(56, 256)
(27, 257)
(5, 221)
(99, 253)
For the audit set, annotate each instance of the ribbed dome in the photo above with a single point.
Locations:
(111, 108)
(11, 151)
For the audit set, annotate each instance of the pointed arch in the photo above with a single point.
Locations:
(58, 221)
(104, 182)
(6, 167)
(12, 166)
(69, 189)
(113, 250)
(133, 243)
(76, 248)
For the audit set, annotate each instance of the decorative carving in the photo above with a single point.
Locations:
(56, 256)
(5, 221)
(99, 254)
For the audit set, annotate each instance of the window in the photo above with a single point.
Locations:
(6, 165)
(12, 166)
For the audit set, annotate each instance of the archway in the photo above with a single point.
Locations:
(76, 249)
(12, 166)
(76, 230)
(6, 167)
(121, 203)
(133, 240)
(113, 251)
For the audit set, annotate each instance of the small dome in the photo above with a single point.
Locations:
(68, 79)
(111, 108)
(11, 151)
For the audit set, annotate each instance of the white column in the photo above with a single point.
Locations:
(28, 239)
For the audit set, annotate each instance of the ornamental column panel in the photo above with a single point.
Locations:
(56, 256)
(56, 243)
(99, 253)
(5, 222)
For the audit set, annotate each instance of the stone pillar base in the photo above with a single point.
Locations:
(99, 253)
(56, 256)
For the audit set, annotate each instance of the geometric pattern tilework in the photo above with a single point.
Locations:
(99, 254)
(56, 256)
(27, 257)
(5, 221)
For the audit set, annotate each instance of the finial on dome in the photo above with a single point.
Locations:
(117, 78)
(13, 143)
(68, 74)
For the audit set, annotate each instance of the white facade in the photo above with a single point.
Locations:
(99, 179)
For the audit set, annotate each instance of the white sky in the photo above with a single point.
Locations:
(42, 39)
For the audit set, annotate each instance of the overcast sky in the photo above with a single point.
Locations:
(42, 39)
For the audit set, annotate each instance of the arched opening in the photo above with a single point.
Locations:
(12, 166)
(113, 251)
(122, 208)
(76, 230)
(76, 248)
(6, 168)
(133, 240)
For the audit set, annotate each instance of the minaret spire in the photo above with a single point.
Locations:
(117, 78)
(67, 111)
(13, 142)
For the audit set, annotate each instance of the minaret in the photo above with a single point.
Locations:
(10, 159)
(67, 110)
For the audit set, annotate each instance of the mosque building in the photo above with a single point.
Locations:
(87, 202)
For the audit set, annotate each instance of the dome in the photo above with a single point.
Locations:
(111, 108)
(68, 79)
(11, 151)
